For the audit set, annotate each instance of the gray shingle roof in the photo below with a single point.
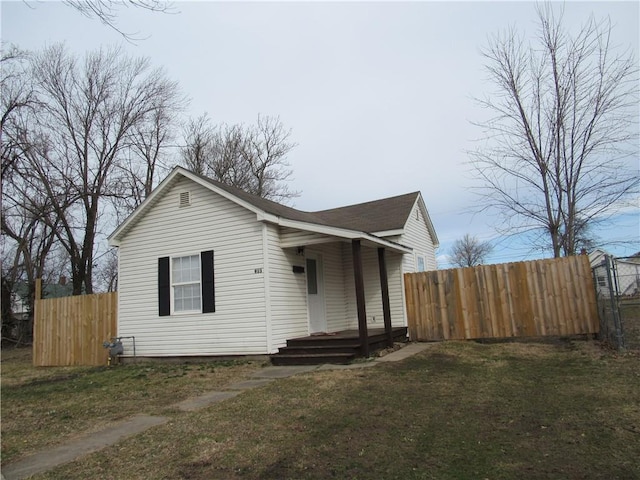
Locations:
(370, 218)
(375, 216)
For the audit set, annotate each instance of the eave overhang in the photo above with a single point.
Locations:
(331, 234)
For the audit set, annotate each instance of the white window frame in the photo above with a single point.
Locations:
(424, 264)
(173, 284)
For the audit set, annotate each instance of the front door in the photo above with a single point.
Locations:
(315, 294)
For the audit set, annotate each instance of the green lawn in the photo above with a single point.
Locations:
(456, 411)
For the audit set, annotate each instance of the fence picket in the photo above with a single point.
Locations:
(543, 297)
(70, 330)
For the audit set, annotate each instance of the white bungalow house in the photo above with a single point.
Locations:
(206, 269)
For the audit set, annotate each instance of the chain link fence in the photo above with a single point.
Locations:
(617, 283)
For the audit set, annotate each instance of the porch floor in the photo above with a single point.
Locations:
(333, 347)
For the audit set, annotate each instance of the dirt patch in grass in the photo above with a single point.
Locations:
(46, 406)
(457, 410)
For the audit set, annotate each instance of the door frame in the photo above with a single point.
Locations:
(317, 307)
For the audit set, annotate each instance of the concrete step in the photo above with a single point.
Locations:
(321, 341)
(301, 349)
(312, 358)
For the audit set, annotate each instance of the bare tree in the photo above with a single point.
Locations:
(26, 242)
(197, 153)
(74, 143)
(107, 275)
(16, 93)
(145, 154)
(107, 10)
(252, 158)
(563, 129)
(230, 148)
(265, 153)
(469, 251)
(27, 246)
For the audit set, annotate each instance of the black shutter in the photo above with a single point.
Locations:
(164, 287)
(208, 284)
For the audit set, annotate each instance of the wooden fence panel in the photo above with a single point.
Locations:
(71, 330)
(552, 297)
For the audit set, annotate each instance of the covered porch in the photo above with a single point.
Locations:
(353, 288)
(336, 347)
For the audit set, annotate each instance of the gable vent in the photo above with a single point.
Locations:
(185, 199)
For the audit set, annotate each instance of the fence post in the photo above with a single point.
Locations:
(602, 317)
(613, 298)
(36, 335)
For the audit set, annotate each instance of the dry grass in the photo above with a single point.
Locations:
(456, 411)
(45, 406)
(630, 313)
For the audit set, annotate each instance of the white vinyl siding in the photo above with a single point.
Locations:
(396, 289)
(416, 235)
(288, 292)
(258, 305)
(211, 222)
(372, 289)
(290, 237)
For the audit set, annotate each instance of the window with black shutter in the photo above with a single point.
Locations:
(186, 284)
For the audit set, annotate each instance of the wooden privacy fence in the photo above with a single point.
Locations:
(524, 299)
(71, 330)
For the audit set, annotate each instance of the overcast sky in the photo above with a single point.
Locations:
(379, 96)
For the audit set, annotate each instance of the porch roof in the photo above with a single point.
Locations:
(301, 234)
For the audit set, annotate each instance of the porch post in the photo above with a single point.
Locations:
(362, 310)
(384, 286)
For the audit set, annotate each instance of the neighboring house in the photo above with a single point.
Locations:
(207, 269)
(627, 271)
(22, 323)
(597, 257)
(20, 296)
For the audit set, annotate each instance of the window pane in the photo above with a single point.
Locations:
(193, 300)
(185, 277)
(194, 271)
(178, 305)
(187, 297)
(186, 269)
(177, 273)
(312, 279)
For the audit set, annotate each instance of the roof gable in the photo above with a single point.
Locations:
(262, 204)
(427, 219)
(389, 214)
(375, 216)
